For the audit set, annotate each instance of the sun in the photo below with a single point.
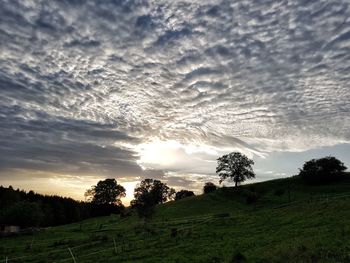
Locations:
(158, 153)
(129, 192)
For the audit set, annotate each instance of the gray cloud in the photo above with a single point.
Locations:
(83, 77)
(63, 145)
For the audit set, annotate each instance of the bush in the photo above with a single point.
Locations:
(183, 194)
(209, 188)
(322, 171)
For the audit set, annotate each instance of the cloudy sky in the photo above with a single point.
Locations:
(138, 89)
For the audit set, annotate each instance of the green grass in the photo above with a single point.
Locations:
(313, 227)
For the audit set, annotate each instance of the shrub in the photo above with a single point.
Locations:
(209, 187)
(183, 194)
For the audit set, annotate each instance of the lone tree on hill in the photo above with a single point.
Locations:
(323, 170)
(106, 192)
(235, 167)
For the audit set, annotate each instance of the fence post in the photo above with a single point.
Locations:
(71, 253)
(115, 246)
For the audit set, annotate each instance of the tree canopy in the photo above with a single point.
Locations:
(323, 170)
(183, 194)
(235, 167)
(149, 193)
(107, 191)
(154, 189)
(209, 187)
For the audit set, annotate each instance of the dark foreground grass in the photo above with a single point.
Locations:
(303, 224)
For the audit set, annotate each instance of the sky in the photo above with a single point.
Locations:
(160, 89)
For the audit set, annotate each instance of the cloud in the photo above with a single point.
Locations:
(84, 82)
(41, 142)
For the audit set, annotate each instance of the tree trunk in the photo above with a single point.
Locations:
(236, 183)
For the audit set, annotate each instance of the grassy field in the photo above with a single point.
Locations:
(301, 224)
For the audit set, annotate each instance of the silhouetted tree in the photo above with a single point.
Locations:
(323, 170)
(235, 167)
(183, 194)
(157, 190)
(148, 194)
(105, 192)
(209, 187)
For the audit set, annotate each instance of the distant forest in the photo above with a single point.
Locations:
(28, 209)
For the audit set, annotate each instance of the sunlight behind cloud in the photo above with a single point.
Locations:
(158, 153)
(174, 156)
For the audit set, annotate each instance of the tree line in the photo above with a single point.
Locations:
(104, 198)
(29, 209)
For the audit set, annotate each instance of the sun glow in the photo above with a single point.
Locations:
(158, 152)
(169, 155)
(129, 191)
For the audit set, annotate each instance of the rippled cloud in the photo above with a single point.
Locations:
(84, 83)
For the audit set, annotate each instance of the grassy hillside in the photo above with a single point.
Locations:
(301, 224)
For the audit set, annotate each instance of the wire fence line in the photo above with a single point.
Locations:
(67, 239)
(96, 242)
(135, 243)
